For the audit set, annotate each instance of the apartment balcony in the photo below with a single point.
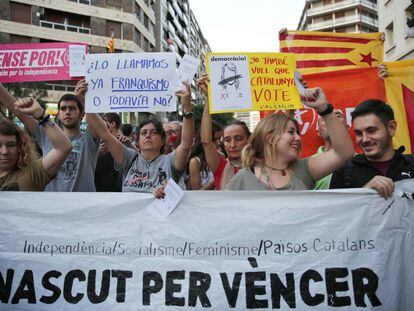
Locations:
(343, 22)
(177, 24)
(171, 28)
(179, 42)
(185, 19)
(177, 8)
(185, 35)
(66, 27)
(340, 6)
(369, 21)
(171, 10)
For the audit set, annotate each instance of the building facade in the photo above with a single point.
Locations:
(137, 25)
(339, 16)
(399, 38)
(131, 21)
(177, 31)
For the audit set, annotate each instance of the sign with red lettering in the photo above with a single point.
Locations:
(251, 82)
(37, 62)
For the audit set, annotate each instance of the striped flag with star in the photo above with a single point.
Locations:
(325, 51)
(399, 86)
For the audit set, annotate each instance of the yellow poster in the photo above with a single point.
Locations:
(251, 82)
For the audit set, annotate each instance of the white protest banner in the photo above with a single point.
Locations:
(345, 250)
(130, 82)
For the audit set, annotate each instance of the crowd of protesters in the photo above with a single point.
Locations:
(110, 156)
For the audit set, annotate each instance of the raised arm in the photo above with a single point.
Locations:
(183, 150)
(115, 147)
(80, 91)
(62, 146)
(8, 101)
(210, 150)
(343, 148)
(97, 127)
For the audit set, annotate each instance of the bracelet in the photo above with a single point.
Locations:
(329, 109)
(43, 120)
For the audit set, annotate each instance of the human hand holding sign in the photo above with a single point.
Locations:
(81, 89)
(202, 83)
(384, 185)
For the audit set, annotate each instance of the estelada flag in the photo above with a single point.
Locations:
(325, 51)
(399, 86)
(345, 89)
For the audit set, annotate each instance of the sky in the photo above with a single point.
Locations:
(245, 25)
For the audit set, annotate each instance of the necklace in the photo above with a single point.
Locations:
(268, 179)
(282, 172)
(235, 164)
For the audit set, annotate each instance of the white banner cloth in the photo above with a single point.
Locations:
(305, 250)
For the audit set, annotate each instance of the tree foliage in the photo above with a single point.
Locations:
(222, 118)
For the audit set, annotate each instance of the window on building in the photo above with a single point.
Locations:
(327, 18)
(115, 4)
(151, 28)
(146, 21)
(21, 13)
(389, 36)
(114, 27)
(339, 15)
(327, 2)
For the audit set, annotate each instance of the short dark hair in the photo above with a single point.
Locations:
(66, 97)
(158, 128)
(374, 106)
(113, 117)
(126, 129)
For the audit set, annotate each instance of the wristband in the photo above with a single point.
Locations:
(329, 109)
(42, 121)
(188, 114)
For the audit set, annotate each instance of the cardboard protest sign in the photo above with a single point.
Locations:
(218, 250)
(130, 82)
(30, 62)
(251, 81)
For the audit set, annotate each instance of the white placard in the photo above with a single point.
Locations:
(230, 82)
(161, 208)
(218, 250)
(121, 82)
(186, 71)
(77, 55)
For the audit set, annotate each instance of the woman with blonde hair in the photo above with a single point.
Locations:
(271, 158)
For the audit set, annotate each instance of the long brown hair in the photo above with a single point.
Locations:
(25, 146)
(258, 147)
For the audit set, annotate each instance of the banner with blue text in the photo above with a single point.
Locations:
(121, 82)
(305, 250)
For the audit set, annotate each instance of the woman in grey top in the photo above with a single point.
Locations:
(271, 158)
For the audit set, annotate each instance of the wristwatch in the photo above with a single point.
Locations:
(329, 109)
(188, 114)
